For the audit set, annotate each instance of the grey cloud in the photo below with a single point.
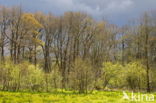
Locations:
(116, 11)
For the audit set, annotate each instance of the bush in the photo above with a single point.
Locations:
(132, 76)
(31, 77)
(81, 76)
(111, 75)
(27, 77)
(53, 79)
(24, 76)
(135, 75)
(9, 76)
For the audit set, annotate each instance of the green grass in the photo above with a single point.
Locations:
(65, 97)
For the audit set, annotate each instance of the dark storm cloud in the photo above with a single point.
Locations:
(116, 11)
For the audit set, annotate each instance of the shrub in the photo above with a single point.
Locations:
(9, 76)
(27, 77)
(81, 76)
(131, 75)
(31, 77)
(53, 79)
(111, 74)
(135, 75)
(24, 76)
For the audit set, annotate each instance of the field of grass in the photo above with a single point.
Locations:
(65, 97)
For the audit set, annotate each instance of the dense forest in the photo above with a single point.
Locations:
(44, 52)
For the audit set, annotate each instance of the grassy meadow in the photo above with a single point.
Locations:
(65, 97)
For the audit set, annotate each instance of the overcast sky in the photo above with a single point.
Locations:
(115, 11)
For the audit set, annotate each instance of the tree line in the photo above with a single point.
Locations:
(76, 52)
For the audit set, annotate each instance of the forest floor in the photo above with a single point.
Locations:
(70, 97)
